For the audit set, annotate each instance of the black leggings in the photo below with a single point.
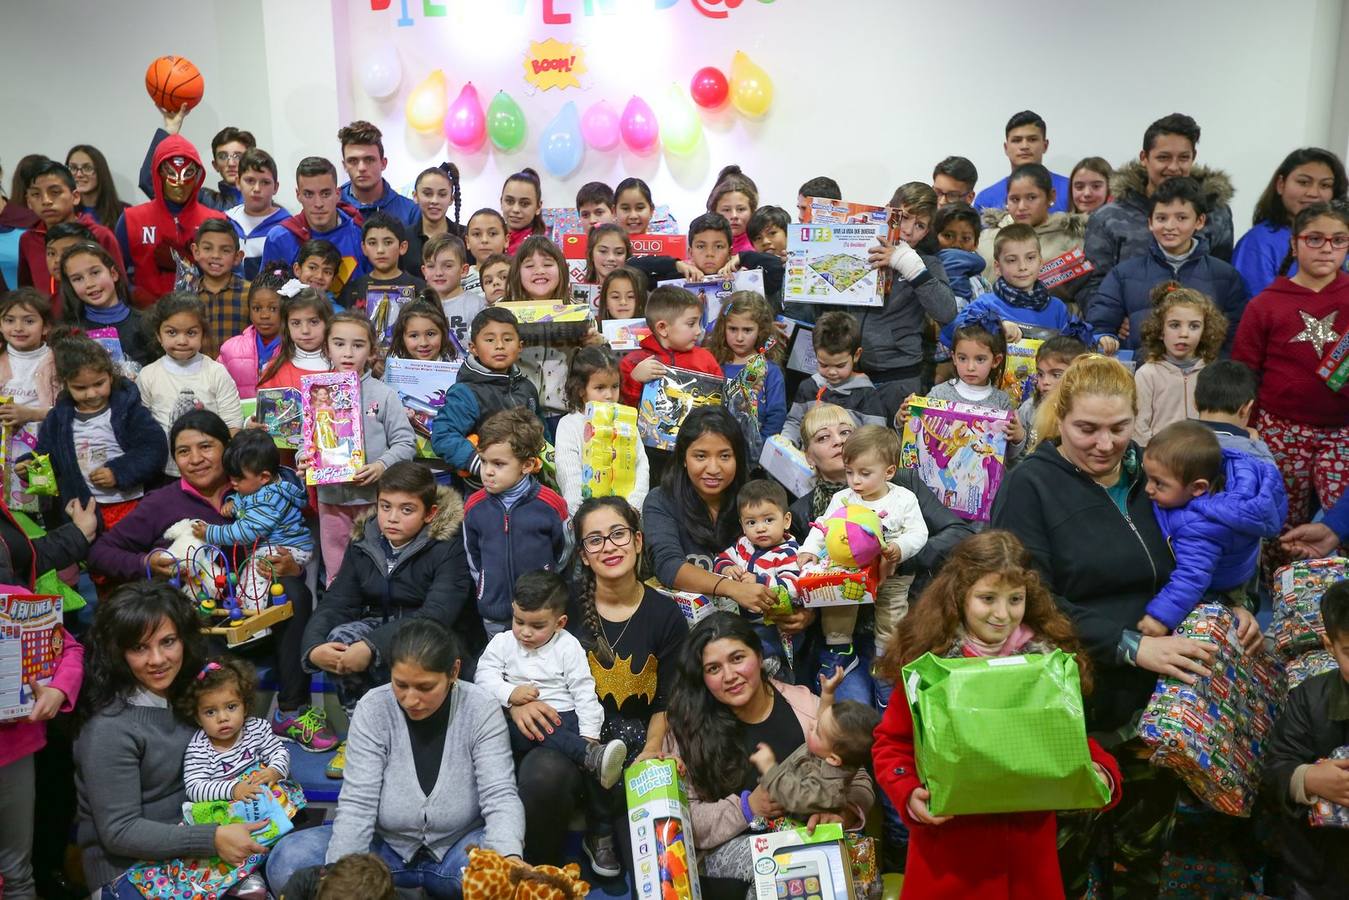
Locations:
(550, 788)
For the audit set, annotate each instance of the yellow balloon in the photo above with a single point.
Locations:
(751, 88)
(427, 103)
(680, 127)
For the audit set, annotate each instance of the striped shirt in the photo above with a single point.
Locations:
(211, 774)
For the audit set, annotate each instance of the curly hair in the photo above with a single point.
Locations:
(1166, 297)
(752, 305)
(518, 428)
(936, 621)
(177, 302)
(218, 672)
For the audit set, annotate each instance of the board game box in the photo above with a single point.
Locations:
(422, 384)
(332, 426)
(30, 647)
(959, 450)
(829, 264)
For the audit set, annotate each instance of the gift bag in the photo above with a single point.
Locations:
(1212, 733)
(1003, 734)
(1296, 624)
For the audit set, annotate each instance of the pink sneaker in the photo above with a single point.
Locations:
(308, 728)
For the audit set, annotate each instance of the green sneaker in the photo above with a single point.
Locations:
(338, 762)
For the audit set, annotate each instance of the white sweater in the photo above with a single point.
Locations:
(568, 443)
(170, 388)
(901, 521)
(559, 669)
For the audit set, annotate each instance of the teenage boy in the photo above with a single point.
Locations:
(384, 241)
(367, 191)
(1120, 230)
(322, 215)
(837, 340)
(227, 149)
(595, 204)
(1178, 251)
(215, 250)
(488, 382)
(767, 230)
(53, 196)
(513, 524)
(1224, 396)
(821, 186)
(1024, 142)
(954, 179)
(710, 255)
(1018, 297)
(258, 213)
(674, 316)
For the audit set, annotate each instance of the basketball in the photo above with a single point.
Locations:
(172, 81)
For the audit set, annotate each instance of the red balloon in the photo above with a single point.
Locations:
(709, 87)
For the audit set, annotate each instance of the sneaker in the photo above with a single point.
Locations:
(837, 656)
(338, 763)
(251, 887)
(603, 855)
(308, 728)
(605, 762)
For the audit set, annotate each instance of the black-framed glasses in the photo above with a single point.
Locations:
(1316, 241)
(81, 168)
(619, 537)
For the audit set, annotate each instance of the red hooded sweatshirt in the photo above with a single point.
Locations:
(698, 359)
(152, 228)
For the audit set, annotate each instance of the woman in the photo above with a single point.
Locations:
(721, 708)
(692, 516)
(133, 549)
(144, 647)
(93, 179)
(15, 219)
(424, 779)
(1078, 504)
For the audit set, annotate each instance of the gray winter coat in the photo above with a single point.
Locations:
(892, 335)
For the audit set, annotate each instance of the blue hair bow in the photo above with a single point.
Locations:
(988, 320)
(1078, 328)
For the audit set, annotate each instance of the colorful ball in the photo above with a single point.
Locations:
(853, 537)
(277, 590)
(172, 82)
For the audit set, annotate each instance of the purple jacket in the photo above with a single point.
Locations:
(120, 553)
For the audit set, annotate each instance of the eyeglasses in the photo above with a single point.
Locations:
(947, 197)
(228, 156)
(619, 537)
(85, 169)
(1317, 241)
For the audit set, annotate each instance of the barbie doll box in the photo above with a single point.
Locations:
(331, 431)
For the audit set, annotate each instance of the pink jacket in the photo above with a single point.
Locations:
(19, 739)
(239, 356)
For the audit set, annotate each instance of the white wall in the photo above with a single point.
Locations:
(872, 92)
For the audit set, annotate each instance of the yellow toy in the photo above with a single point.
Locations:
(609, 450)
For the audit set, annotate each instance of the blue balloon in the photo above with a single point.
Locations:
(561, 146)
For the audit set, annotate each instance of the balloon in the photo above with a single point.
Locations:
(751, 88)
(425, 107)
(638, 126)
(561, 147)
(465, 125)
(382, 73)
(682, 129)
(599, 126)
(709, 87)
(505, 122)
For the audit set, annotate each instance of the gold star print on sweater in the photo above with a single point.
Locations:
(621, 682)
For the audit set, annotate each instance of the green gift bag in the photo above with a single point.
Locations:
(1001, 734)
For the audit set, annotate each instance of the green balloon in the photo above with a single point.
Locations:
(505, 122)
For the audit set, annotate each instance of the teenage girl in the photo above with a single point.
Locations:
(735, 197)
(539, 272)
(436, 190)
(246, 354)
(1030, 197)
(184, 378)
(27, 376)
(979, 352)
(521, 200)
(607, 249)
(305, 315)
(1182, 334)
(1090, 184)
(593, 379)
(987, 601)
(745, 323)
(485, 234)
(94, 295)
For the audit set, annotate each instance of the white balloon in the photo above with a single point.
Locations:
(381, 72)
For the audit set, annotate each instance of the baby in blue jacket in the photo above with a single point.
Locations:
(1214, 505)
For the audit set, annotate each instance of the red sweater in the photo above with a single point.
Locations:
(1273, 340)
(33, 258)
(697, 360)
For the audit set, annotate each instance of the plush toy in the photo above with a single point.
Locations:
(852, 536)
(490, 876)
(198, 570)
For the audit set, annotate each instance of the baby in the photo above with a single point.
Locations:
(766, 554)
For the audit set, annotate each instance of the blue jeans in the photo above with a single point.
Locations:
(565, 738)
(441, 880)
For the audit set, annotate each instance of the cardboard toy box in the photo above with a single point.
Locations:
(801, 866)
(662, 832)
(783, 461)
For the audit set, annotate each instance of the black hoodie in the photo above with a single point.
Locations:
(1101, 566)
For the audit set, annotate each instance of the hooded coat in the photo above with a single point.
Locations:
(284, 242)
(149, 230)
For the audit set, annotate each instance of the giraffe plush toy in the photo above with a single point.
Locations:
(490, 876)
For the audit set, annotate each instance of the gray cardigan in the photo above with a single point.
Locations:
(389, 438)
(476, 786)
(129, 778)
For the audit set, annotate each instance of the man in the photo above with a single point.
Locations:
(322, 215)
(367, 191)
(1024, 142)
(954, 179)
(227, 147)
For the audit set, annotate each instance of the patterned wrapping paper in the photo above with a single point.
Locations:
(1308, 665)
(1296, 624)
(1325, 814)
(1212, 733)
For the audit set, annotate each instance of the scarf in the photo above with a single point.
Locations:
(1037, 298)
(107, 315)
(823, 493)
(1018, 639)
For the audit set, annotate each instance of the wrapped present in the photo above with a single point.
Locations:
(41, 476)
(1334, 367)
(1001, 734)
(1212, 733)
(781, 459)
(794, 863)
(609, 450)
(866, 871)
(1296, 624)
(1308, 665)
(665, 865)
(1325, 814)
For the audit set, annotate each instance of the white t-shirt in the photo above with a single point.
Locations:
(95, 444)
(460, 311)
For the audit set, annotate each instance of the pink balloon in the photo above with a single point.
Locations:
(465, 123)
(599, 126)
(639, 127)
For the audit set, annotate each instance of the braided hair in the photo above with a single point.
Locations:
(593, 639)
(450, 172)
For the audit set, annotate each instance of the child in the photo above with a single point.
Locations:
(1301, 765)
(355, 875)
(61, 238)
(957, 227)
(537, 659)
(593, 379)
(215, 250)
(674, 316)
(821, 186)
(305, 315)
(245, 355)
(987, 601)
(1224, 396)
(1033, 200)
(184, 378)
(870, 458)
(1213, 531)
(485, 235)
(710, 239)
(422, 332)
(27, 369)
(513, 524)
(837, 341)
(104, 443)
(979, 352)
(1182, 334)
(1052, 359)
(607, 248)
(232, 755)
(767, 230)
(95, 296)
(53, 197)
(745, 323)
(493, 274)
(623, 294)
(489, 381)
(388, 434)
(1090, 185)
(953, 181)
(735, 197)
(539, 273)
(317, 265)
(444, 264)
(1177, 252)
(1018, 297)
(816, 777)
(258, 213)
(521, 201)
(384, 241)
(595, 204)
(633, 206)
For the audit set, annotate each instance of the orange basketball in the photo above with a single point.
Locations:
(172, 81)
